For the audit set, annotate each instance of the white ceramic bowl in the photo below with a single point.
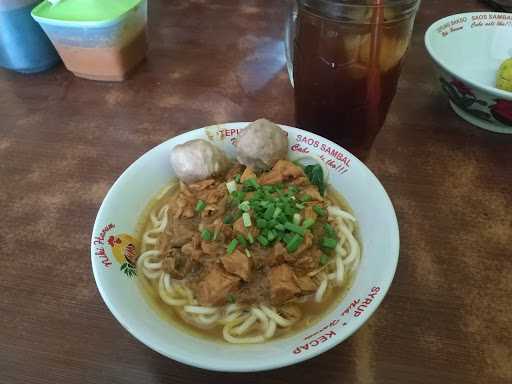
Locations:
(127, 198)
(468, 49)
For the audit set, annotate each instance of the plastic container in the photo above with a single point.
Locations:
(97, 39)
(23, 45)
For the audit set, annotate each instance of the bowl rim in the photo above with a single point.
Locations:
(428, 44)
(287, 360)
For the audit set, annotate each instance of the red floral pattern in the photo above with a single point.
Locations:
(462, 88)
(502, 111)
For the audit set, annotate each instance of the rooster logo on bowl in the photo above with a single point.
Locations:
(124, 249)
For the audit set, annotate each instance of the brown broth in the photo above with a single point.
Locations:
(312, 312)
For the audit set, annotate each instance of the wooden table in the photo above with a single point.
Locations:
(64, 140)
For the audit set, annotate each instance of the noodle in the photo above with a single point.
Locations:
(243, 324)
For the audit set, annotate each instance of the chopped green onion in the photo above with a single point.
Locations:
(228, 219)
(251, 183)
(250, 238)
(271, 235)
(231, 299)
(244, 206)
(238, 196)
(297, 219)
(261, 223)
(324, 259)
(246, 219)
(268, 189)
(288, 210)
(206, 234)
(329, 230)
(295, 228)
(237, 178)
(269, 213)
(279, 227)
(247, 253)
(328, 242)
(308, 223)
(277, 212)
(231, 186)
(294, 243)
(319, 210)
(262, 240)
(300, 206)
(293, 189)
(232, 246)
(200, 205)
(272, 223)
(305, 198)
(242, 240)
(282, 219)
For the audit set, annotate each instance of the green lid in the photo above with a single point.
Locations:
(84, 10)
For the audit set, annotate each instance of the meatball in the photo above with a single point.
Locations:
(197, 160)
(261, 144)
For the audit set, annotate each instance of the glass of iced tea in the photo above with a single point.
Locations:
(344, 59)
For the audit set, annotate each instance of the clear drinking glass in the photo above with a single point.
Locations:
(344, 60)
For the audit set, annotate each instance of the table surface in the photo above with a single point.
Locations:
(64, 140)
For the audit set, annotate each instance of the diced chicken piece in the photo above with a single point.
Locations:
(256, 291)
(312, 191)
(309, 213)
(302, 180)
(308, 261)
(213, 211)
(185, 191)
(215, 287)
(184, 206)
(275, 257)
(263, 257)
(306, 244)
(163, 243)
(283, 286)
(284, 170)
(238, 264)
(306, 284)
(176, 264)
(239, 228)
(180, 235)
(192, 251)
(201, 185)
(212, 248)
(233, 171)
(248, 174)
(227, 232)
(217, 194)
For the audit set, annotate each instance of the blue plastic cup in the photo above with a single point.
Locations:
(24, 47)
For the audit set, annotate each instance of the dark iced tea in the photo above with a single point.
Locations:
(346, 73)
